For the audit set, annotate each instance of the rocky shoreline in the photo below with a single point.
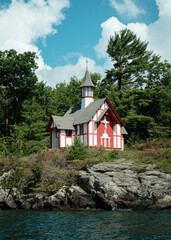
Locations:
(106, 186)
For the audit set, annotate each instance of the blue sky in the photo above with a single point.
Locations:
(64, 33)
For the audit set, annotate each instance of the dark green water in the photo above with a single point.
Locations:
(84, 225)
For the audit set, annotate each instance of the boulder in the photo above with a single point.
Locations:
(7, 199)
(57, 200)
(78, 198)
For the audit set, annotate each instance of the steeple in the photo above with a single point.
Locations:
(87, 89)
(87, 79)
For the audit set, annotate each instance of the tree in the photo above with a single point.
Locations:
(17, 80)
(130, 59)
(74, 91)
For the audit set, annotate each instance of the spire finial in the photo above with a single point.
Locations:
(87, 65)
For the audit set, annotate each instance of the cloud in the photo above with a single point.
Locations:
(127, 7)
(157, 34)
(64, 73)
(22, 23)
(108, 29)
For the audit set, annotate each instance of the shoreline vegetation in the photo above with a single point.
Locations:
(50, 169)
(54, 172)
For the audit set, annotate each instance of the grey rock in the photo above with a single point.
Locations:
(10, 202)
(58, 200)
(78, 198)
(117, 186)
(7, 199)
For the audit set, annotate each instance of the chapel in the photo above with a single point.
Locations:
(96, 123)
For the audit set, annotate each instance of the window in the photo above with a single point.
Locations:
(88, 91)
(68, 133)
(81, 129)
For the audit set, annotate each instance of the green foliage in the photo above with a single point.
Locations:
(112, 154)
(17, 81)
(130, 59)
(77, 150)
(11, 145)
(37, 174)
(146, 112)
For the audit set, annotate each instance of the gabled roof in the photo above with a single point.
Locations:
(77, 115)
(87, 80)
(115, 113)
(85, 114)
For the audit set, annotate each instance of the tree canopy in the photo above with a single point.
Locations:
(130, 59)
(17, 82)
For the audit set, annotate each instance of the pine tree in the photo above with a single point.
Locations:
(130, 59)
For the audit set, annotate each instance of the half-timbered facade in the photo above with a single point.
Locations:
(95, 122)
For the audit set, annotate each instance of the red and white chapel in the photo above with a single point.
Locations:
(95, 122)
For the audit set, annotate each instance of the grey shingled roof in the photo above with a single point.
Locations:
(76, 115)
(124, 132)
(87, 80)
(84, 115)
(63, 123)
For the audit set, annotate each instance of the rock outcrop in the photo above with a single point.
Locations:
(106, 186)
(116, 186)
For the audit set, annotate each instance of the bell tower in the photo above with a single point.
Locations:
(87, 89)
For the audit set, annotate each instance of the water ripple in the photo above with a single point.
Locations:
(87, 225)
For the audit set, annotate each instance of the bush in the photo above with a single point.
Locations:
(113, 154)
(37, 173)
(77, 150)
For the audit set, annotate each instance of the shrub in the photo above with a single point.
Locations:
(113, 154)
(37, 173)
(77, 150)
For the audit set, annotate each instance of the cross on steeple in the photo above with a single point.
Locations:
(87, 65)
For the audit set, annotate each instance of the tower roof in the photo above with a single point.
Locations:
(87, 80)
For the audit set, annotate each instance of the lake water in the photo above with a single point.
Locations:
(47, 225)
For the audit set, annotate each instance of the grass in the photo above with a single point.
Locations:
(155, 152)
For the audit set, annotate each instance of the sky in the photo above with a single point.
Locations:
(66, 33)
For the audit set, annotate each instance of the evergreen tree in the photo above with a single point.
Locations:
(130, 60)
(17, 81)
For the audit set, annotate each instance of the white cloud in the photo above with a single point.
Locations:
(64, 73)
(108, 29)
(127, 7)
(114, 25)
(22, 23)
(157, 34)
